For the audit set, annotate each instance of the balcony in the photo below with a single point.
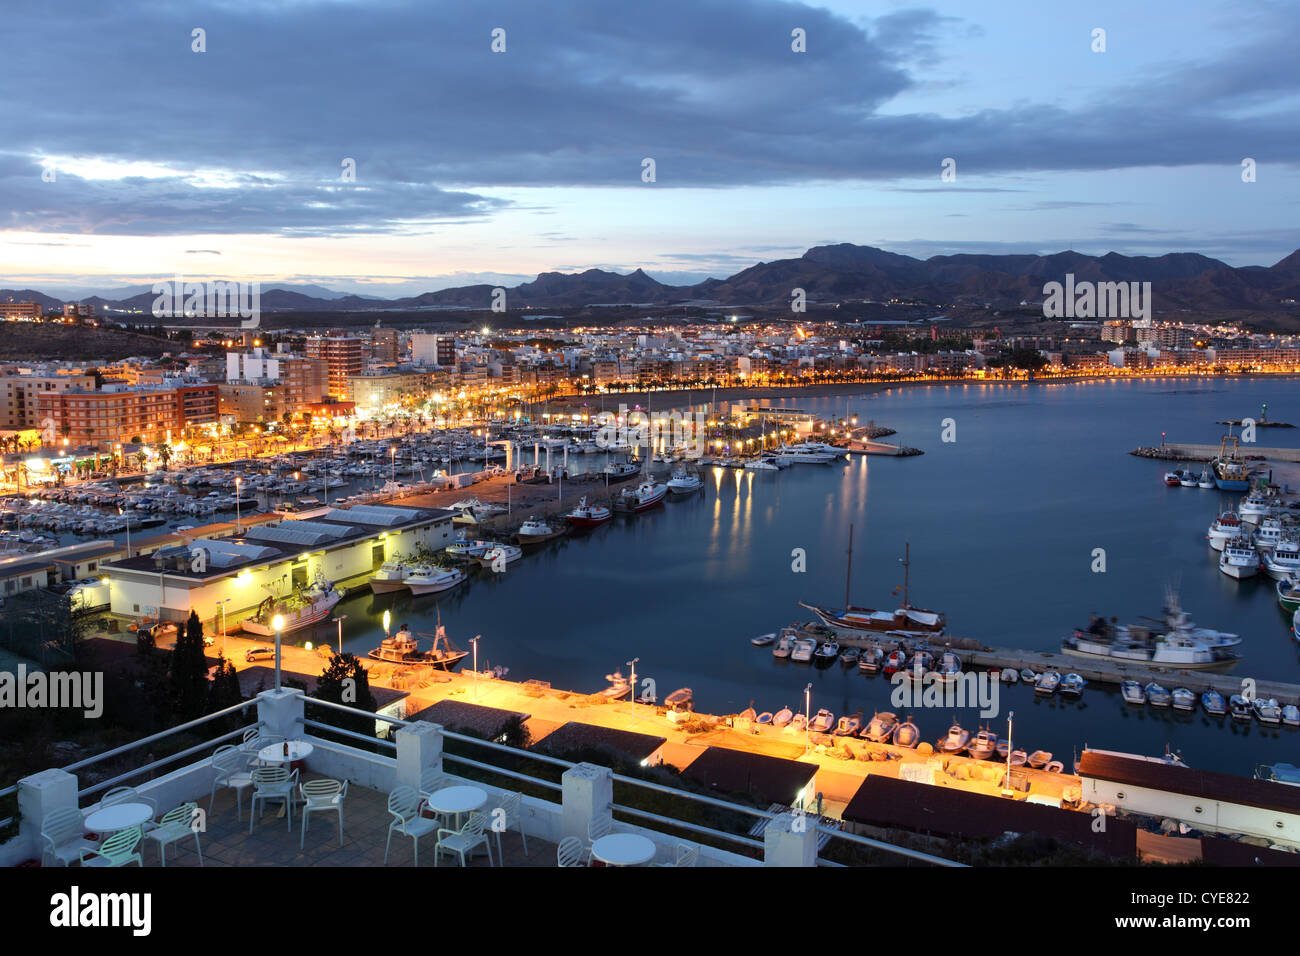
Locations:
(559, 799)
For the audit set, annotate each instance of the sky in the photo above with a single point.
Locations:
(129, 156)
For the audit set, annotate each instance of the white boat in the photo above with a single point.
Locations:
(680, 699)
(1207, 479)
(763, 640)
(1239, 559)
(431, 580)
(827, 651)
(948, 669)
(682, 483)
(783, 646)
(881, 727)
(1187, 479)
(1183, 699)
(588, 515)
(762, 464)
(1268, 535)
(823, 722)
(804, 648)
(1175, 642)
(1283, 561)
(1072, 685)
(1223, 529)
(1213, 702)
(500, 555)
(1291, 715)
(466, 547)
(1132, 692)
(983, 745)
(1157, 696)
(308, 606)
(646, 495)
(955, 741)
(1240, 707)
(1257, 506)
(619, 687)
(535, 531)
(1267, 710)
(907, 735)
(1009, 676)
(1047, 683)
(391, 576)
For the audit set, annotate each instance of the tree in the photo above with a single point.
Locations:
(189, 671)
(344, 681)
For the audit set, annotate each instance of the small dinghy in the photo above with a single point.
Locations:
(1039, 759)
(1009, 676)
(907, 735)
(1214, 703)
(849, 726)
(763, 640)
(1017, 758)
(1157, 696)
(782, 717)
(1132, 692)
(765, 717)
(1055, 766)
(1028, 676)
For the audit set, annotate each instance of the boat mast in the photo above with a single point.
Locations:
(906, 562)
(848, 572)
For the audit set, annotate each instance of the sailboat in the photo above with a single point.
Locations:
(905, 620)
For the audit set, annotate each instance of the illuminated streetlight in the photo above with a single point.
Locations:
(277, 623)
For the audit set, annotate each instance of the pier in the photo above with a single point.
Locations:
(1181, 451)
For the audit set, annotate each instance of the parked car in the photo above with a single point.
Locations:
(258, 653)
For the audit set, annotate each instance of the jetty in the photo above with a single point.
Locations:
(1183, 451)
(865, 447)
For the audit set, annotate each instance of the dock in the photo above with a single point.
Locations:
(1183, 451)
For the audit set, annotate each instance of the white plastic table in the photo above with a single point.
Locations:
(119, 816)
(623, 849)
(298, 750)
(457, 800)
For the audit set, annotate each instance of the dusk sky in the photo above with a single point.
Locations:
(476, 166)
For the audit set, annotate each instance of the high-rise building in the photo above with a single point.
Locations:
(428, 348)
(345, 357)
(119, 413)
(383, 345)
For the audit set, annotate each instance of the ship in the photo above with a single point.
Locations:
(904, 621)
(304, 608)
(404, 648)
(1231, 473)
(1173, 642)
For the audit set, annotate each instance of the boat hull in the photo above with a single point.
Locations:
(387, 585)
(589, 521)
(1219, 665)
(318, 613)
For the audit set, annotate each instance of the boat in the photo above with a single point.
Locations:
(1047, 683)
(1240, 707)
(804, 648)
(762, 464)
(1172, 479)
(586, 515)
(620, 470)
(1072, 685)
(983, 745)
(881, 727)
(949, 668)
(783, 646)
(1231, 473)
(645, 496)
(955, 741)
(1188, 480)
(1039, 759)
(1206, 480)
(849, 726)
(1027, 675)
(823, 722)
(763, 640)
(1213, 703)
(500, 555)
(1239, 559)
(466, 547)
(1183, 699)
(907, 735)
(1004, 748)
(895, 662)
(535, 531)
(1223, 529)
(921, 664)
(1173, 642)
(1268, 535)
(905, 620)
(1157, 696)
(432, 580)
(871, 659)
(1132, 692)
(1295, 625)
(619, 687)
(1279, 773)
(1283, 562)
(403, 648)
(391, 576)
(303, 608)
(798, 723)
(682, 483)
(1257, 506)
(1291, 715)
(765, 718)
(849, 657)
(827, 651)
(1010, 676)
(1055, 766)
(680, 699)
(782, 717)
(1267, 711)
(1017, 758)
(1288, 593)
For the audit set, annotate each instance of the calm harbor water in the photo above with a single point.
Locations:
(1002, 522)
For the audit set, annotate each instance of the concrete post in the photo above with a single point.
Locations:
(588, 792)
(791, 840)
(282, 712)
(38, 796)
(419, 748)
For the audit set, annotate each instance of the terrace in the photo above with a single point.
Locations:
(559, 800)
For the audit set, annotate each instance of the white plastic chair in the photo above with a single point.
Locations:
(272, 783)
(571, 852)
(322, 796)
(176, 824)
(464, 840)
(231, 765)
(431, 781)
(63, 837)
(121, 848)
(512, 804)
(404, 804)
(687, 854)
(602, 825)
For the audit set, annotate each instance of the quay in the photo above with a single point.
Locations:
(866, 447)
(1181, 451)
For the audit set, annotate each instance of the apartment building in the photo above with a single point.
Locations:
(428, 348)
(20, 311)
(117, 413)
(343, 354)
(19, 390)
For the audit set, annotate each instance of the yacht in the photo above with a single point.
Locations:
(500, 555)
(881, 727)
(535, 531)
(682, 483)
(1047, 683)
(431, 580)
(1175, 642)
(1239, 559)
(1213, 703)
(646, 495)
(803, 651)
(619, 686)
(588, 515)
(1240, 707)
(1132, 692)
(391, 576)
(1157, 696)
(1183, 699)
(955, 741)
(801, 453)
(904, 621)
(1223, 529)
(1267, 710)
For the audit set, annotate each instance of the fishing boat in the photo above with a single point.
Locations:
(1267, 711)
(619, 686)
(1173, 642)
(535, 531)
(643, 497)
(871, 659)
(881, 727)
(895, 662)
(1132, 692)
(804, 648)
(1283, 562)
(682, 483)
(907, 735)
(620, 471)
(1239, 559)
(1240, 707)
(763, 640)
(1291, 715)
(1188, 480)
(1257, 506)
(822, 722)
(1183, 699)
(1268, 535)
(949, 668)
(1027, 675)
(905, 620)
(680, 698)
(1206, 480)
(1295, 625)
(586, 515)
(1039, 759)
(1047, 683)
(1231, 472)
(827, 651)
(1213, 703)
(500, 555)
(783, 647)
(1223, 529)
(1157, 696)
(782, 717)
(1172, 479)
(922, 663)
(955, 741)
(849, 657)
(391, 576)
(1288, 593)
(1072, 685)
(467, 547)
(432, 580)
(303, 608)
(849, 726)
(403, 648)
(798, 724)
(983, 745)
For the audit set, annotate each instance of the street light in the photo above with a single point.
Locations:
(388, 618)
(474, 641)
(339, 621)
(222, 604)
(277, 622)
(632, 680)
(807, 714)
(239, 528)
(1010, 743)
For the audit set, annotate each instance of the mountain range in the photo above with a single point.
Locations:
(828, 274)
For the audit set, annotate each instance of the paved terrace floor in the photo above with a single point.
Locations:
(227, 842)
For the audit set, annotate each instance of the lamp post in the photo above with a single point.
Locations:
(1010, 743)
(222, 604)
(474, 641)
(122, 512)
(392, 458)
(807, 715)
(239, 528)
(339, 621)
(632, 664)
(277, 622)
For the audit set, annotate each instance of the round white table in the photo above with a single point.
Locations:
(298, 750)
(623, 849)
(119, 816)
(457, 800)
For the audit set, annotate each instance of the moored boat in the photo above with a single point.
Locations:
(500, 555)
(1072, 685)
(535, 531)
(1288, 593)
(1157, 696)
(432, 580)
(783, 646)
(586, 515)
(804, 648)
(304, 608)
(1047, 683)
(1174, 642)
(1132, 692)
(881, 727)
(1239, 559)
(643, 497)
(1223, 529)
(782, 717)
(1240, 707)
(955, 741)
(1267, 711)
(906, 735)
(1183, 699)
(1039, 759)
(822, 722)
(683, 483)
(763, 639)
(983, 745)
(403, 648)
(1213, 703)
